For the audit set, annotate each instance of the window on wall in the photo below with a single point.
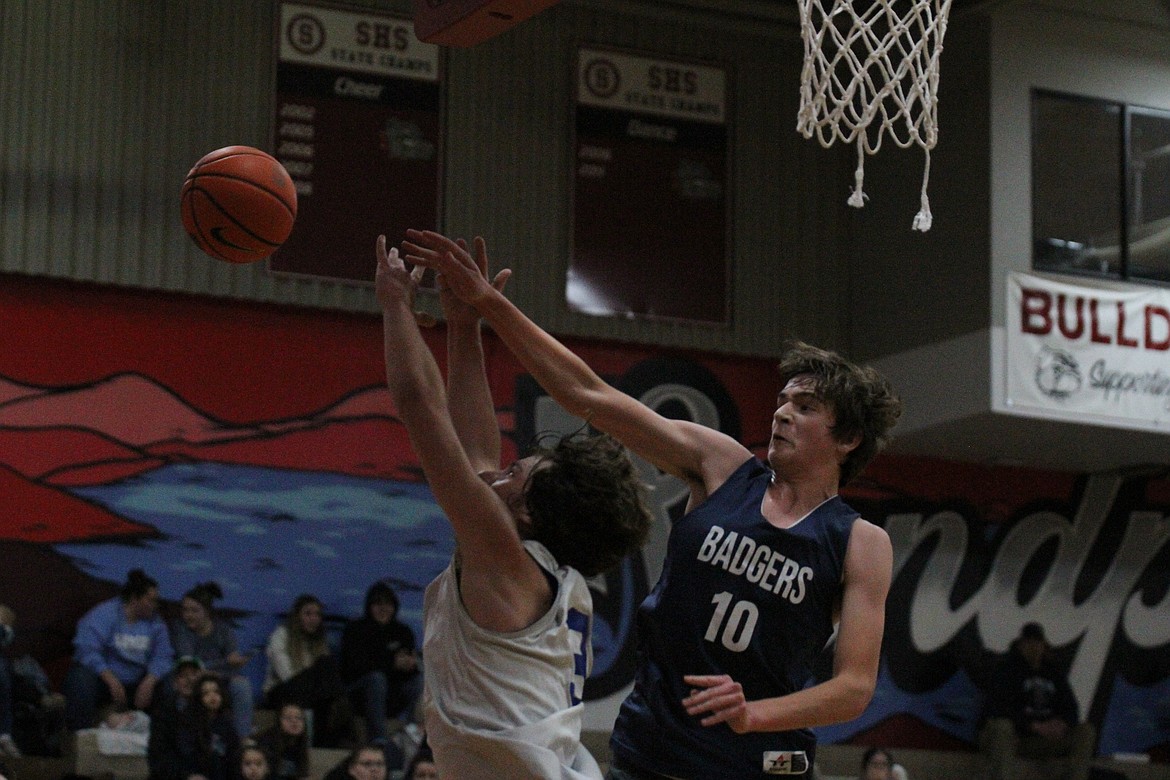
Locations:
(1100, 188)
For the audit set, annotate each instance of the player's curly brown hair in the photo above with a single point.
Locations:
(863, 402)
(586, 502)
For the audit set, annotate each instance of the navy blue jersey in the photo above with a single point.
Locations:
(737, 596)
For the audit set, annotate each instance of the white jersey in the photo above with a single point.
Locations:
(508, 706)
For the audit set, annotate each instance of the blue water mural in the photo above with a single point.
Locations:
(267, 535)
(954, 707)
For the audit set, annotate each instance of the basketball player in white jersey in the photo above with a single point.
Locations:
(507, 624)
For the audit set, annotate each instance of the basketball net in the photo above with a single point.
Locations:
(871, 69)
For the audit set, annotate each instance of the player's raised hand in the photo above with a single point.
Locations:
(464, 276)
(456, 310)
(392, 282)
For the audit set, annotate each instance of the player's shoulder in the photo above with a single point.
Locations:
(869, 549)
(868, 533)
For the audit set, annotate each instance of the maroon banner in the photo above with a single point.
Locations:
(358, 128)
(650, 220)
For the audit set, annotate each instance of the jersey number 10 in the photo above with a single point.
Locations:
(737, 623)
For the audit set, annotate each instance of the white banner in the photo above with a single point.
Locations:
(627, 82)
(1089, 352)
(362, 42)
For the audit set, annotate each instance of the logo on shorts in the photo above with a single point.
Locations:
(785, 762)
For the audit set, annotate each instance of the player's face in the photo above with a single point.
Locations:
(511, 484)
(802, 430)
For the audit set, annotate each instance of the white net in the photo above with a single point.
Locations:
(871, 70)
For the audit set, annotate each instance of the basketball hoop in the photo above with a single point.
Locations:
(871, 69)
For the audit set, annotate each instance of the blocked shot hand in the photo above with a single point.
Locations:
(455, 310)
(717, 699)
(460, 274)
(393, 284)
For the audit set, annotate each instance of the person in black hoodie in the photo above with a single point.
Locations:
(207, 740)
(162, 748)
(379, 663)
(1031, 712)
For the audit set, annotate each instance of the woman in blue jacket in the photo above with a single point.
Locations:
(120, 652)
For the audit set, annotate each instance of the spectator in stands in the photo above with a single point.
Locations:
(207, 739)
(254, 763)
(302, 670)
(199, 633)
(287, 744)
(367, 762)
(878, 764)
(121, 650)
(422, 766)
(1031, 712)
(162, 748)
(7, 700)
(379, 663)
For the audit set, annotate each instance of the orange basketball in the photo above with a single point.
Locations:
(238, 204)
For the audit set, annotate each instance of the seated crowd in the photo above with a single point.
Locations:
(179, 689)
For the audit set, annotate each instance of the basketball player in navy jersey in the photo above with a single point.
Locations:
(507, 624)
(765, 564)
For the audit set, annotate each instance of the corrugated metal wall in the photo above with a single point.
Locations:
(105, 104)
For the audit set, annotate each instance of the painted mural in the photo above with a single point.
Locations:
(255, 446)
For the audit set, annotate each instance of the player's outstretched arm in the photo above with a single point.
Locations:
(503, 589)
(844, 696)
(699, 455)
(469, 397)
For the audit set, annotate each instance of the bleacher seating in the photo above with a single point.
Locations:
(834, 762)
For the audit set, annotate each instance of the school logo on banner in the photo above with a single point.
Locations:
(1093, 351)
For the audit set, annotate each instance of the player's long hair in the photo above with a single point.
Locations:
(863, 402)
(586, 502)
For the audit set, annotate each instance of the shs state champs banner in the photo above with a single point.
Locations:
(1090, 352)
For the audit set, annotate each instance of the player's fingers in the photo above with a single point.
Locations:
(723, 716)
(705, 680)
(417, 272)
(415, 249)
(393, 258)
(481, 257)
(432, 240)
(502, 279)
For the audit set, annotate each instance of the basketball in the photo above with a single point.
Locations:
(238, 204)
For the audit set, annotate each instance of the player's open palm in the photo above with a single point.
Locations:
(455, 310)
